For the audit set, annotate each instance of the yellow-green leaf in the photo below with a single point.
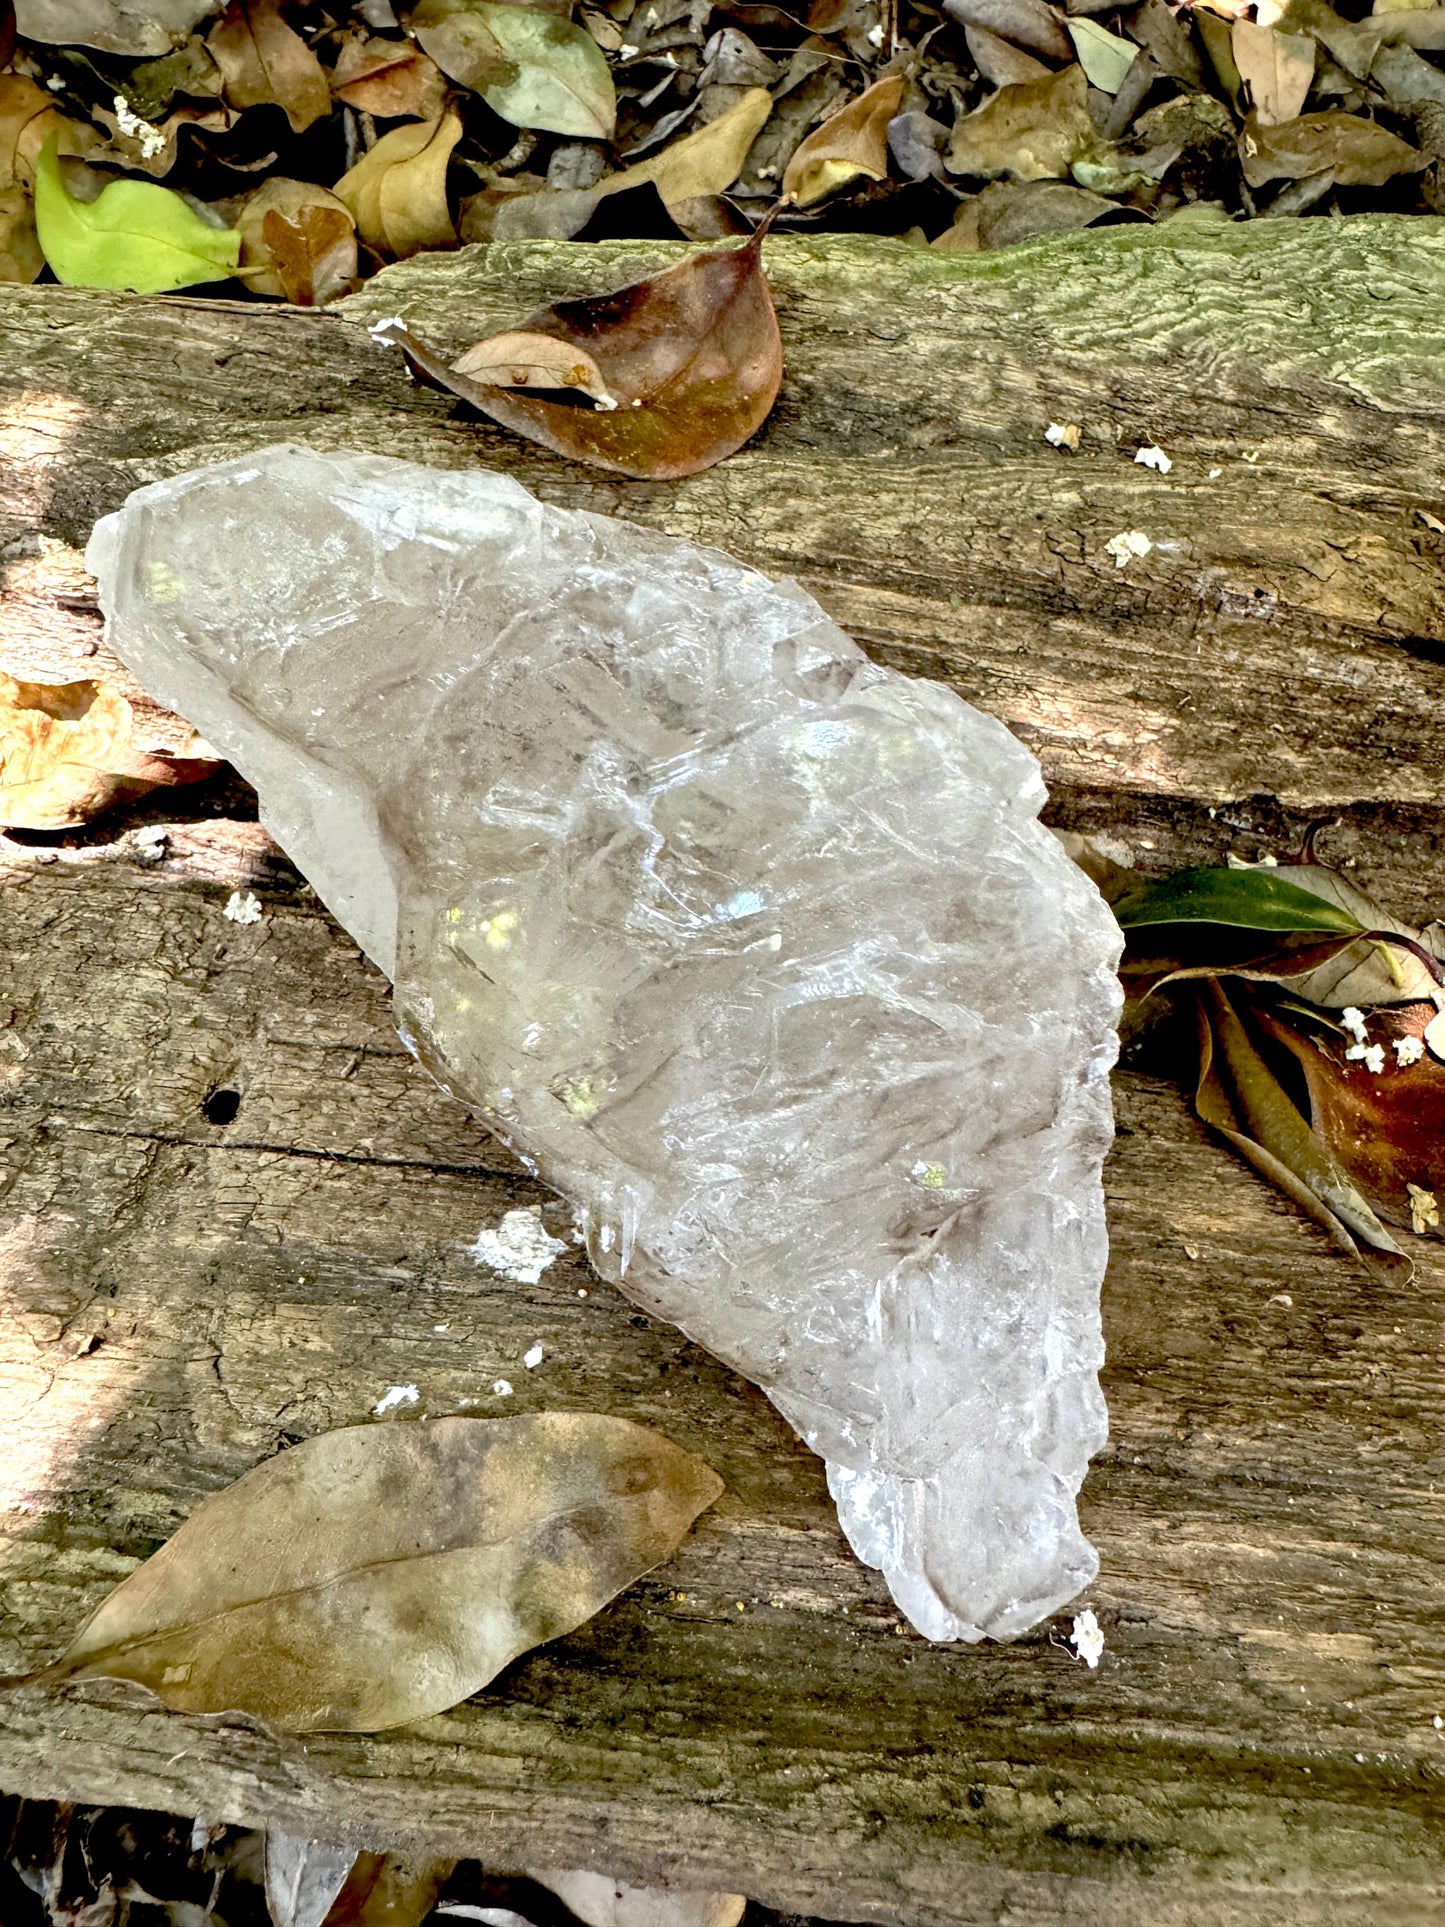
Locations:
(135, 235)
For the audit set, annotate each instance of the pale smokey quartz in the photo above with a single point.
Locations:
(753, 948)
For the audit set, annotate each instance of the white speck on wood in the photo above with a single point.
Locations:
(394, 1396)
(533, 1358)
(520, 1247)
(1088, 1638)
(242, 907)
(1126, 545)
(1152, 457)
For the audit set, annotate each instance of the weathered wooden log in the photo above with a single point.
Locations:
(181, 1296)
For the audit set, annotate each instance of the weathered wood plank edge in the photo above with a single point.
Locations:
(1282, 636)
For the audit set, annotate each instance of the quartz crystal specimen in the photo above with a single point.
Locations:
(755, 950)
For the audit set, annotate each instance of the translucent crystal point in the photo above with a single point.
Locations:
(754, 949)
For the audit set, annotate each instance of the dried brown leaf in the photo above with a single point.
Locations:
(706, 161)
(380, 1574)
(692, 357)
(1001, 63)
(1027, 23)
(70, 750)
(1277, 68)
(1032, 132)
(522, 360)
(1387, 1126)
(387, 1890)
(1358, 152)
(391, 79)
(297, 242)
(28, 118)
(397, 191)
(21, 258)
(265, 63)
(851, 145)
(1239, 1096)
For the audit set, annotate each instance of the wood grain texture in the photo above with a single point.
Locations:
(178, 1298)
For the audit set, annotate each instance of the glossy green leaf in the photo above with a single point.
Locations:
(134, 235)
(1265, 899)
(533, 68)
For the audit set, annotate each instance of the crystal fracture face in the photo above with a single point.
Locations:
(753, 948)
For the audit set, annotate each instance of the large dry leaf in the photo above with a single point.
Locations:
(389, 78)
(1358, 152)
(707, 161)
(298, 242)
(1277, 68)
(851, 145)
(692, 358)
(264, 63)
(1104, 57)
(116, 26)
(1027, 23)
(533, 67)
(1033, 132)
(380, 1574)
(28, 119)
(70, 750)
(397, 191)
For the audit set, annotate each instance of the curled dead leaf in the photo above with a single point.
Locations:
(298, 242)
(265, 63)
(379, 1574)
(70, 750)
(522, 360)
(706, 161)
(1239, 1095)
(852, 144)
(397, 191)
(692, 357)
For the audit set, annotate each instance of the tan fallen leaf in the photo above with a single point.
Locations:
(1277, 68)
(298, 242)
(531, 65)
(521, 360)
(21, 258)
(1032, 132)
(379, 1574)
(392, 79)
(707, 161)
(600, 1901)
(397, 191)
(303, 1878)
(1359, 153)
(388, 1890)
(28, 118)
(851, 145)
(70, 750)
(265, 63)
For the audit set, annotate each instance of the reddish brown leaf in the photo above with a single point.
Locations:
(692, 356)
(389, 78)
(1386, 1126)
(264, 63)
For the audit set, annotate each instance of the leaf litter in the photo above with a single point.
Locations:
(451, 120)
(1315, 1036)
